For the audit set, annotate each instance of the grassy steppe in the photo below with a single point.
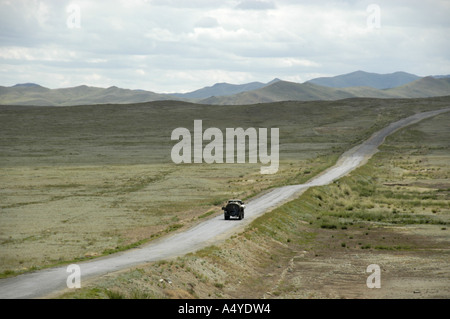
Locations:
(394, 212)
(79, 182)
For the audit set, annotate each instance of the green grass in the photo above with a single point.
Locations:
(339, 217)
(99, 179)
(207, 214)
(356, 224)
(366, 195)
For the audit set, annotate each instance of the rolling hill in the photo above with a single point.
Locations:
(33, 94)
(234, 94)
(223, 89)
(282, 90)
(425, 87)
(361, 78)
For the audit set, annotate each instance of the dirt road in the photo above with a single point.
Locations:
(42, 283)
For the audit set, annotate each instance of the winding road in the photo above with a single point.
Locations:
(42, 283)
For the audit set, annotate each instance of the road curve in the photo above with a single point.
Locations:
(42, 283)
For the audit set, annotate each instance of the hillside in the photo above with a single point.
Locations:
(425, 87)
(81, 95)
(223, 89)
(361, 78)
(281, 91)
(238, 94)
(289, 91)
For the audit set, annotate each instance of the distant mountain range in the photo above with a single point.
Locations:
(282, 91)
(223, 89)
(34, 94)
(355, 84)
(361, 78)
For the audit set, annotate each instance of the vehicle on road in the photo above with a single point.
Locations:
(234, 208)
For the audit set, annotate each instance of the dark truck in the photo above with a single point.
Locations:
(234, 208)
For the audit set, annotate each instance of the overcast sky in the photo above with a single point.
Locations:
(183, 45)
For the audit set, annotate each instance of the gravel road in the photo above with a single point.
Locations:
(43, 283)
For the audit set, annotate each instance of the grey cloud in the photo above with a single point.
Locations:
(255, 5)
(198, 37)
(197, 4)
(207, 22)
